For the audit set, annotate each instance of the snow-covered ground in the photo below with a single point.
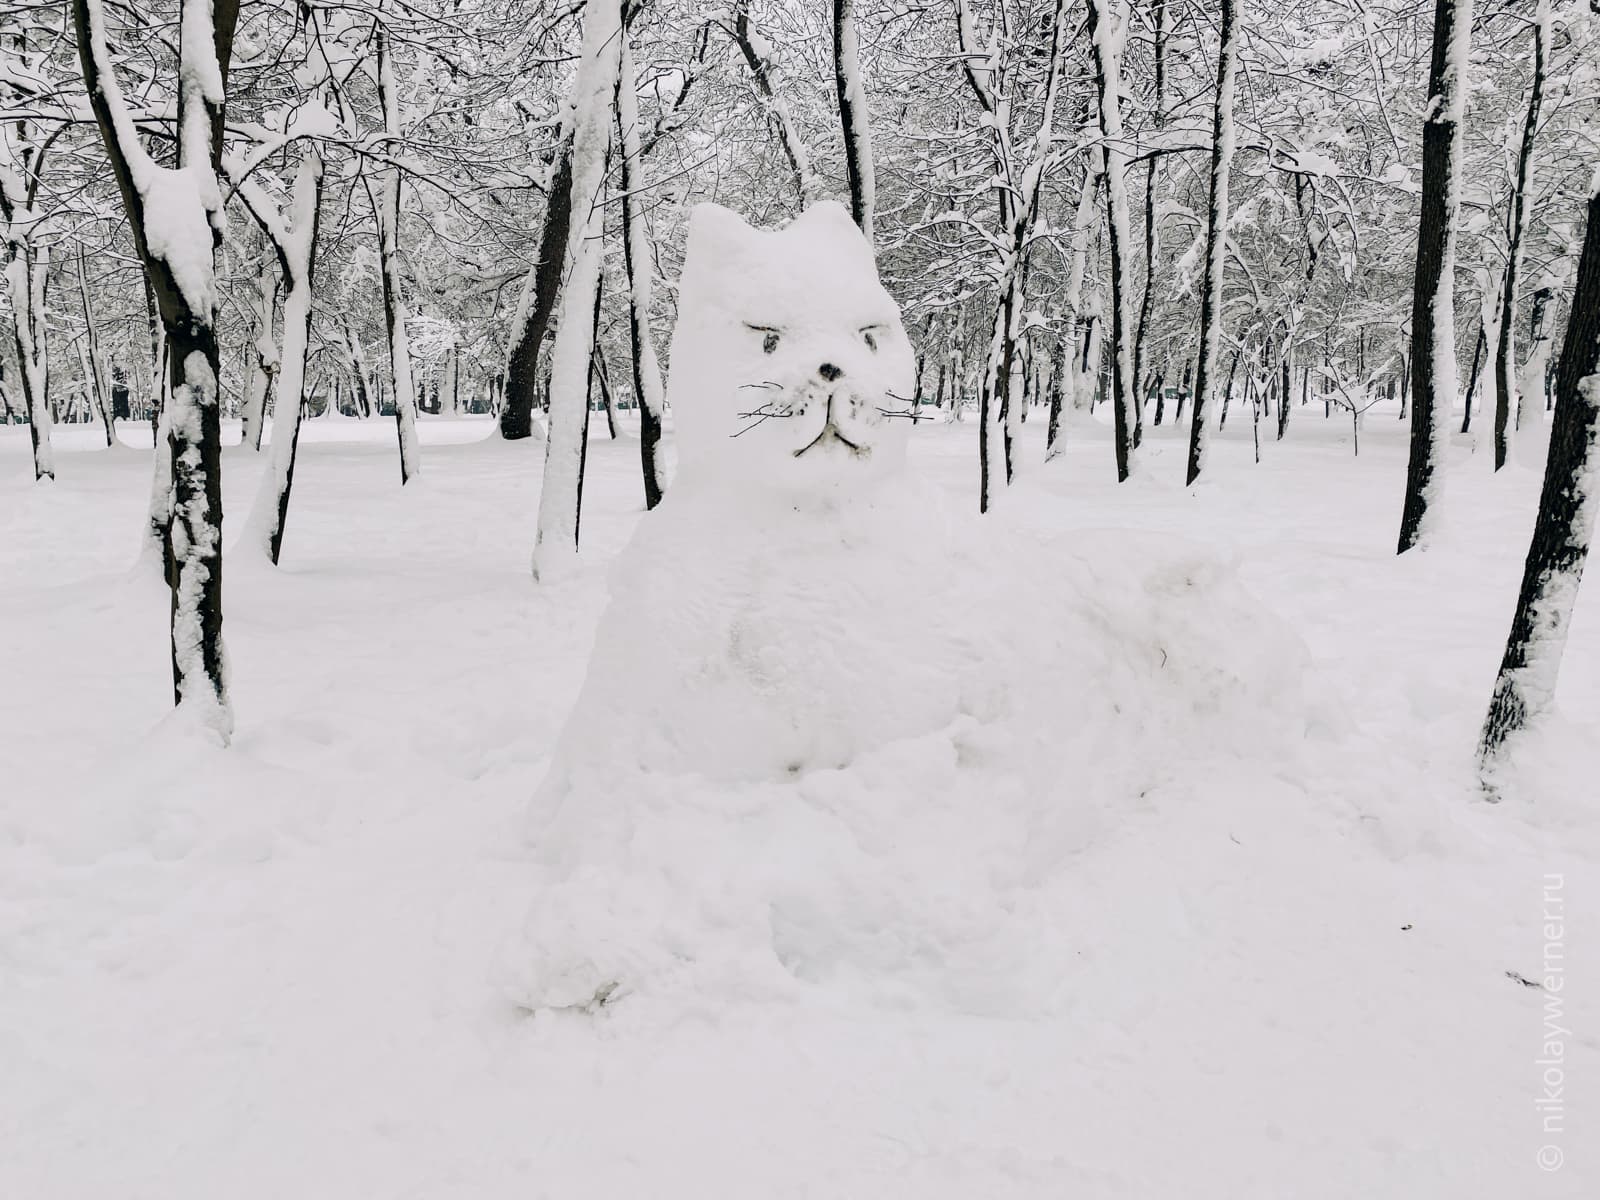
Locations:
(288, 968)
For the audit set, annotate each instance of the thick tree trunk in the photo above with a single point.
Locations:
(538, 302)
(1567, 504)
(1433, 351)
(1216, 244)
(187, 302)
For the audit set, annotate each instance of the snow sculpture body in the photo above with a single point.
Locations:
(827, 722)
(759, 621)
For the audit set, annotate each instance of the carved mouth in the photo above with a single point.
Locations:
(830, 433)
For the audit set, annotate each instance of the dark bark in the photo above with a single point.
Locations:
(1284, 389)
(1058, 366)
(1505, 366)
(1123, 403)
(1158, 119)
(1472, 377)
(196, 526)
(1430, 402)
(642, 356)
(852, 115)
(1565, 525)
(1216, 241)
(522, 362)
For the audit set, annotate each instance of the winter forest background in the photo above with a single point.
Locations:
(1215, 305)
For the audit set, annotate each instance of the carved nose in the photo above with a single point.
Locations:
(829, 372)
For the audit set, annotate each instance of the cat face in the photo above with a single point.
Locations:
(790, 366)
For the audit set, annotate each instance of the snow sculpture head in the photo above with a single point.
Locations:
(790, 367)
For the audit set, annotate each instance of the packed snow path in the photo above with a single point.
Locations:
(279, 970)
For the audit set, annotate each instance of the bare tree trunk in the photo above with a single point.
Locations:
(296, 243)
(1151, 238)
(1472, 377)
(639, 261)
(1433, 351)
(1528, 671)
(188, 315)
(1105, 37)
(853, 115)
(94, 367)
(1505, 358)
(386, 210)
(27, 271)
(538, 303)
(556, 538)
(264, 353)
(1216, 243)
(1088, 198)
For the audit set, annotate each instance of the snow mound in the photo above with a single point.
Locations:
(833, 748)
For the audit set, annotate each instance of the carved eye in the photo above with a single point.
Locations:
(770, 338)
(870, 337)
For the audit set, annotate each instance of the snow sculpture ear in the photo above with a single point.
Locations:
(828, 223)
(715, 233)
(827, 219)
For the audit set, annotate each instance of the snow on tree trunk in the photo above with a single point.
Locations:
(1152, 239)
(1478, 344)
(538, 302)
(1433, 353)
(853, 117)
(263, 354)
(296, 242)
(175, 214)
(1088, 201)
(1106, 25)
(639, 261)
(386, 211)
(27, 269)
(1059, 385)
(1001, 394)
(556, 539)
(1526, 684)
(1531, 380)
(1216, 243)
(93, 368)
(1505, 358)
